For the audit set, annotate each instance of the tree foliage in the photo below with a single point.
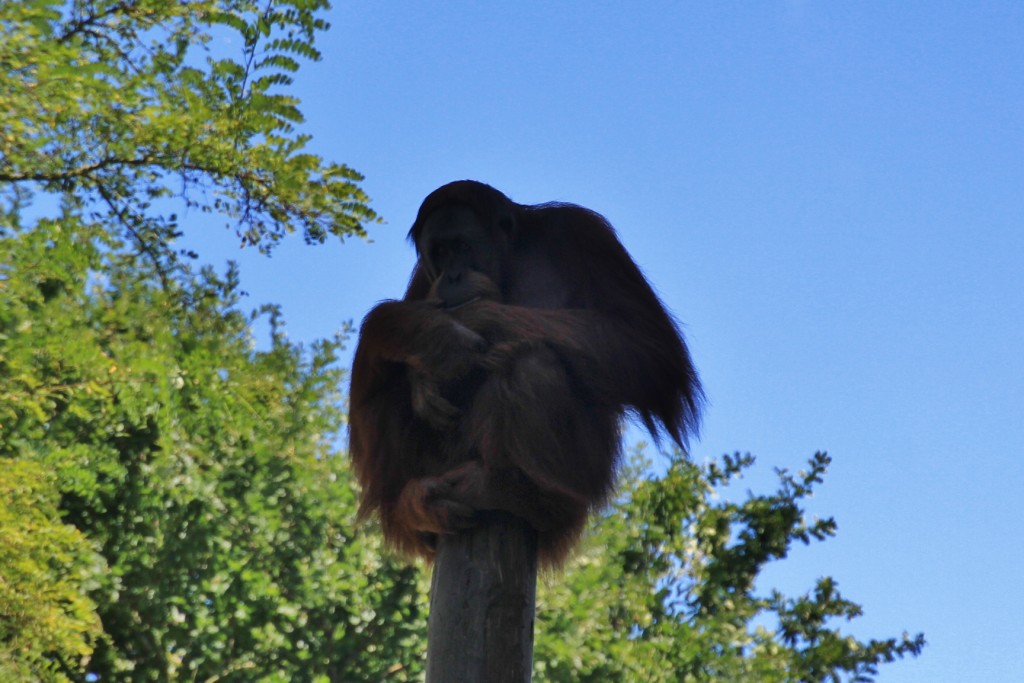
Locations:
(173, 505)
(201, 470)
(47, 620)
(119, 105)
(186, 481)
(664, 589)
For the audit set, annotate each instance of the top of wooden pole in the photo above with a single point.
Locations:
(482, 600)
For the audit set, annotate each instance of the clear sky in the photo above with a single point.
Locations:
(829, 195)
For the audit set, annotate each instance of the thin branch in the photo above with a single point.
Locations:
(122, 213)
(67, 174)
(91, 20)
(86, 169)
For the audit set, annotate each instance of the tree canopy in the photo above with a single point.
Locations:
(174, 504)
(115, 105)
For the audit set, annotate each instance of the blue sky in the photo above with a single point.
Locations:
(830, 196)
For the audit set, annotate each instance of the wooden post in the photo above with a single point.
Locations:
(482, 599)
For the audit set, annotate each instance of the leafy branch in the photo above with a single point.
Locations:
(111, 103)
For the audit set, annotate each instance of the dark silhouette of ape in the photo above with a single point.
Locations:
(499, 381)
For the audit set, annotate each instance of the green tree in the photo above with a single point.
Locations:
(200, 469)
(663, 589)
(203, 515)
(47, 620)
(115, 106)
